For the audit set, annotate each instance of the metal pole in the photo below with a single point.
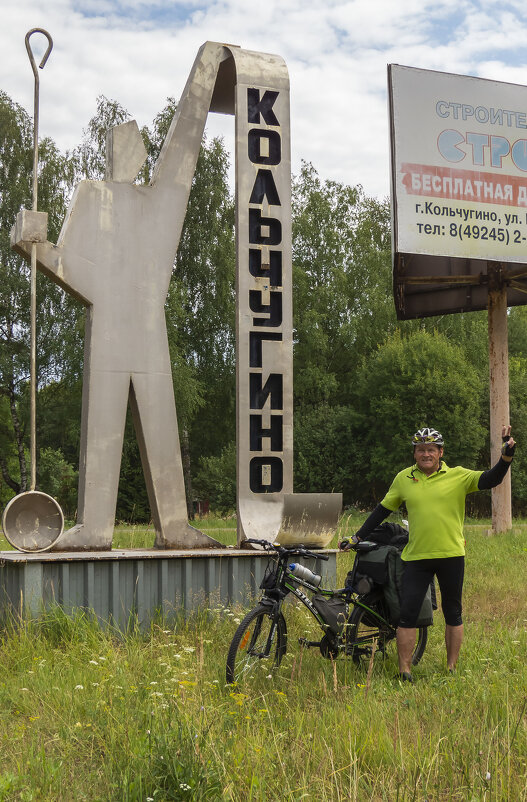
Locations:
(499, 392)
(33, 339)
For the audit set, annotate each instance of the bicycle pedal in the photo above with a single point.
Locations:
(308, 643)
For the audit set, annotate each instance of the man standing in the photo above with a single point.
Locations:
(434, 495)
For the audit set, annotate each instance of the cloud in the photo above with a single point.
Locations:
(140, 52)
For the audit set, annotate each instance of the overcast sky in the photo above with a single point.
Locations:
(140, 52)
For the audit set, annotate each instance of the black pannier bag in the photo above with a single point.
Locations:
(382, 568)
(372, 566)
(333, 611)
(392, 593)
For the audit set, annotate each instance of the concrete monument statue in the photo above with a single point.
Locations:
(115, 253)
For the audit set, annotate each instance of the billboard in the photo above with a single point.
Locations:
(459, 190)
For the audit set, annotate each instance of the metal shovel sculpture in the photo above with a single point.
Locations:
(33, 521)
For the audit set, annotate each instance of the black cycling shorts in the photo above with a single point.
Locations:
(418, 574)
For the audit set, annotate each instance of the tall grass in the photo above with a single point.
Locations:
(90, 714)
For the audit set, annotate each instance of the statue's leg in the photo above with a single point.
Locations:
(104, 405)
(155, 420)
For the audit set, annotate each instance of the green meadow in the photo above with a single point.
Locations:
(93, 714)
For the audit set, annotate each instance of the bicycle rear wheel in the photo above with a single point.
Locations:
(364, 630)
(258, 645)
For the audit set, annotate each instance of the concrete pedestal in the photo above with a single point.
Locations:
(120, 586)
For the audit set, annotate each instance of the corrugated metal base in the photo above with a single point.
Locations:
(135, 584)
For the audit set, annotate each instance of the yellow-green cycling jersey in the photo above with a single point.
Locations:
(436, 509)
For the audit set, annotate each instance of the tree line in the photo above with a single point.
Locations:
(363, 381)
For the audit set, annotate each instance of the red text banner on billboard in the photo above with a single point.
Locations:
(459, 189)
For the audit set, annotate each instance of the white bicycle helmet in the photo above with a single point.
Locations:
(427, 435)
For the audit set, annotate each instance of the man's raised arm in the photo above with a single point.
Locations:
(495, 475)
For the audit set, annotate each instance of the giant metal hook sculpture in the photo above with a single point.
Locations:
(33, 521)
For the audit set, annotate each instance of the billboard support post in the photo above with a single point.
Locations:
(499, 389)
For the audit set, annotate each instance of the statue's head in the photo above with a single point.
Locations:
(125, 152)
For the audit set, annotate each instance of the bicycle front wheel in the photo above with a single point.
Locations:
(258, 645)
(364, 630)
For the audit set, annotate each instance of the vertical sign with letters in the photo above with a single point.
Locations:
(264, 307)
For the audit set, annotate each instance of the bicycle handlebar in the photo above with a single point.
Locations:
(301, 551)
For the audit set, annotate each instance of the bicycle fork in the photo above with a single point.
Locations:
(275, 609)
